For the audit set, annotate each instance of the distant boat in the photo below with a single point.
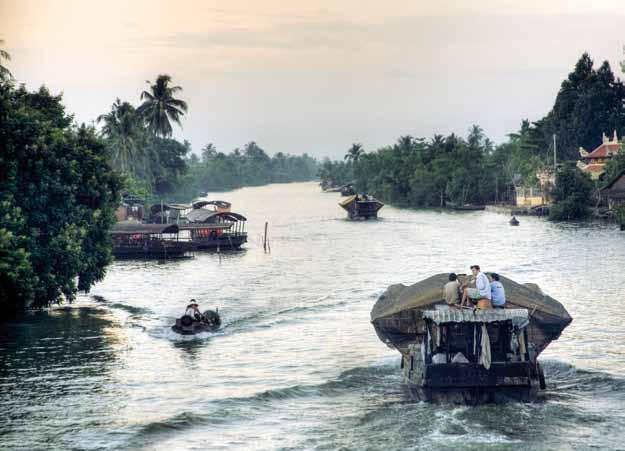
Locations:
(347, 190)
(514, 221)
(361, 206)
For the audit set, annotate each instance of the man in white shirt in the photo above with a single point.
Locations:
(482, 287)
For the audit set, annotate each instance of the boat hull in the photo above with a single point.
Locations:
(223, 242)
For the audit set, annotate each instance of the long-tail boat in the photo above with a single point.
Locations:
(361, 206)
(464, 355)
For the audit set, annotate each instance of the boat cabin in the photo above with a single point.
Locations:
(472, 354)
(159, 241)
(169, 213)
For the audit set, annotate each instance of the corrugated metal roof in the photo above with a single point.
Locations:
(455, 315)
(130, 227)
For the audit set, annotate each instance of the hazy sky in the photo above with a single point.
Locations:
(314, 76)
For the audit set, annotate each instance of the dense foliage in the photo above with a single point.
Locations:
(590, 102)
(217, 171)
(433, 173)
(57, 198)
(572, 195)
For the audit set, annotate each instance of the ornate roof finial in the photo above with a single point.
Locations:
(615, 137)
(604, 138)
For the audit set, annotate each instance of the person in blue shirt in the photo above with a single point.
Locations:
(497, 293)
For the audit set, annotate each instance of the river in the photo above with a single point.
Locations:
(297, 364)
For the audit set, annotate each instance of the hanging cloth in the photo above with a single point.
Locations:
(485, 349)
(522, 348)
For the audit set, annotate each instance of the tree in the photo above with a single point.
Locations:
(160, 107)
(5, 74)
(590, 102)
(127, 142)
(208, 152)
(57, 201)
(572, 195)
(354, 153)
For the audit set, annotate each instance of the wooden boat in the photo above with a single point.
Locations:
(429, 335)
(152, 241)
(216, 227)
(187, 325)
(361, 206)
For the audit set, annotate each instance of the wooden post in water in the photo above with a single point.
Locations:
(265, 237)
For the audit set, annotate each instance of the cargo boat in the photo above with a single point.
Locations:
(135, 240)
(361, 206)
(466, 355)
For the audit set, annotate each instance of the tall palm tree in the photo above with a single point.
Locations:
(4, 55)
(354, 152)
(123, 129)
(159, 106)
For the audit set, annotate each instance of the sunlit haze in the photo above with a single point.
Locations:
(314, 76)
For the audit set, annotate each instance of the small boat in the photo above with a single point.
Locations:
(514, 221)
(469, 356)
(347, 190)
(186, 325)
(361, 206)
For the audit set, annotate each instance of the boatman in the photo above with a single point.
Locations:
(451, 290)
(194, 312)
(498, 294)
(482, 287)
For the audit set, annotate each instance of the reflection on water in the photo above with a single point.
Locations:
(296, 364)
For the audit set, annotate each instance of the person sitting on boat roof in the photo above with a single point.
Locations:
(193, 311)
(498, 294)
(451, 290)
(482, 287)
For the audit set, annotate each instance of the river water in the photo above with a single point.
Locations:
(297, 365)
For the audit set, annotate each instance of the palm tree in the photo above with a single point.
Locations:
(4, 55)
(354, 152)
(126, 137)
(159, 106)
(208, 152)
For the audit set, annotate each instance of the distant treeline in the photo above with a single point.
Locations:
(250, 166)
(457, 170)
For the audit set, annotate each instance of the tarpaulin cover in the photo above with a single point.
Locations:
(398, 314)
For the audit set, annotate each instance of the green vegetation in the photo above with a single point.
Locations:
(454, 170)
(5, 74)
(217, 171)
(156, 166)
(572, 195)
(57, 198)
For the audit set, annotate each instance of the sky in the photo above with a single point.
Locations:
(314, 76)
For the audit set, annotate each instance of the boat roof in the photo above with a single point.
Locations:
(131, 227)
(203, 215)
(156, 208)
(203, 225)
(456, 315)
(217, 203)
(400, 307)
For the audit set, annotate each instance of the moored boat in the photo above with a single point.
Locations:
(150, 241)
(361, 206)
(465, 355)
(216, 227)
